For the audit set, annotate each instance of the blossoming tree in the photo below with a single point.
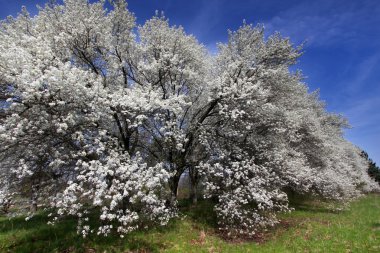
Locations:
(100, 113)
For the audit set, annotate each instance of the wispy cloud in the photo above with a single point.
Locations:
(365, 70)
(324, 23)
(364, 116)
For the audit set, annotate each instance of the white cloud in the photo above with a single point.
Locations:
(323, 23)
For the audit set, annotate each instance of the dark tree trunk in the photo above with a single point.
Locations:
(194, 178)
(34, 196)
(33, 206)
(33, 202)
(194, 192)
(173, 184)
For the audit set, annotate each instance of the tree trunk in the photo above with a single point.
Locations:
(33, 203)
(33, 207)
(173, 184)
(193, 192)
(194, 177)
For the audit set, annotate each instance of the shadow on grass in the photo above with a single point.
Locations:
(202, 213)
(312, 208)
(310, 203)
(35, 235)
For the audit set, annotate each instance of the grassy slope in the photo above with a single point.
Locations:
(311, 228)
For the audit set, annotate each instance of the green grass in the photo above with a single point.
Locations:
(311, 228)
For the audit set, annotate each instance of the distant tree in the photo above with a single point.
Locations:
(373, 169)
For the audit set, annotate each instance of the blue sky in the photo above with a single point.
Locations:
(341, 55)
